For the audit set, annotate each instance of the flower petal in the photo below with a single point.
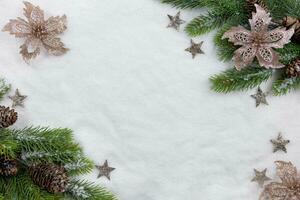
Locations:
(275, 191)
(244, 56)
(56, 25)
(260, 20)
(268, 58)
(33, 13)
(18, 27)
(277, 38)
(238, 35)
(27, 56)
(54, 46)
(287, 172)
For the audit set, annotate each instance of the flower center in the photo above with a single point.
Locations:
(39, 31)
(258, 39)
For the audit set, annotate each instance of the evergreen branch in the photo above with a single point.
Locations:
(44, 144)
(185, 3)
(4, 88)
(81, 166)
(8, 146)
(290, 52)
(83, 190)
(234, 80)
(225, 48)
(204, 24)
(280, 9)
(283, 86)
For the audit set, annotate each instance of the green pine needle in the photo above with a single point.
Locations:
(82, 190)
(185, 3)
(283, 86)
(234, 80)
(4, 88)
(204, 24)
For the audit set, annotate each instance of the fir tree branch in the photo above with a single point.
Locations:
(204, 24)
(280, 8)
(185, 3)
(83, 190)
(44, 144)
(283, 86)
(81, 166)
(4, 88)
(8, 146)
(290, 52)
(234, 80)
(225, 48)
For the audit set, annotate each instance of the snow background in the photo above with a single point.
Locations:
(133, 96)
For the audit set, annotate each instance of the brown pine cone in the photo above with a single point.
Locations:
(250, 5)
(8, 166)
(293, 69)
(50, 177)
(7, 117)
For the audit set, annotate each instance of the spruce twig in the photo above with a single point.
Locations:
(284, 86)
(234, 80)
(4, 88)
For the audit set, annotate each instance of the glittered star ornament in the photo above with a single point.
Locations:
(17, 99)
(195, 48)
(260, 97)
(260, 177)
(105, 170)
(280, 144)
(175, 21)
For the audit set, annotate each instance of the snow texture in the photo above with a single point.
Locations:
(133, 96)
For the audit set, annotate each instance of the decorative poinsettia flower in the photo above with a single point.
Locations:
(38, 32)
(288, 188)
(259, 42)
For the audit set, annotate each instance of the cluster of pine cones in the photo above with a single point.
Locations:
(49, 176)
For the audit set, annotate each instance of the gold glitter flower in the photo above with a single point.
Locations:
(288, 188)
(259, 42)
(38, 32)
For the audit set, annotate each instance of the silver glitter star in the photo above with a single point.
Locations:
(175, 21)
(105, 170)
(280, 144)
(195, 48)
(17, 99)
(260, 177)
(260, 97)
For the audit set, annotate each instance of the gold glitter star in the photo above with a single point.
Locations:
(280, 144)
(18, 99)
(195, 48)
(175, 21)
(105, 170)
(260, 177)
(260, 97)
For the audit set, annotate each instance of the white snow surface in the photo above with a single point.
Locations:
(133, 96)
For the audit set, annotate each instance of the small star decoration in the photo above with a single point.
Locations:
(105, 170)
(195, 48)
(175, 21)
(260, 177)
(260, 97)
(18, 99)
(280, 144)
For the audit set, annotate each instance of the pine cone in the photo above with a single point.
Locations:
(288, 22)
(8, 166)
(293, 69)
(7, 117)
(50, 177)
(250, 5)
